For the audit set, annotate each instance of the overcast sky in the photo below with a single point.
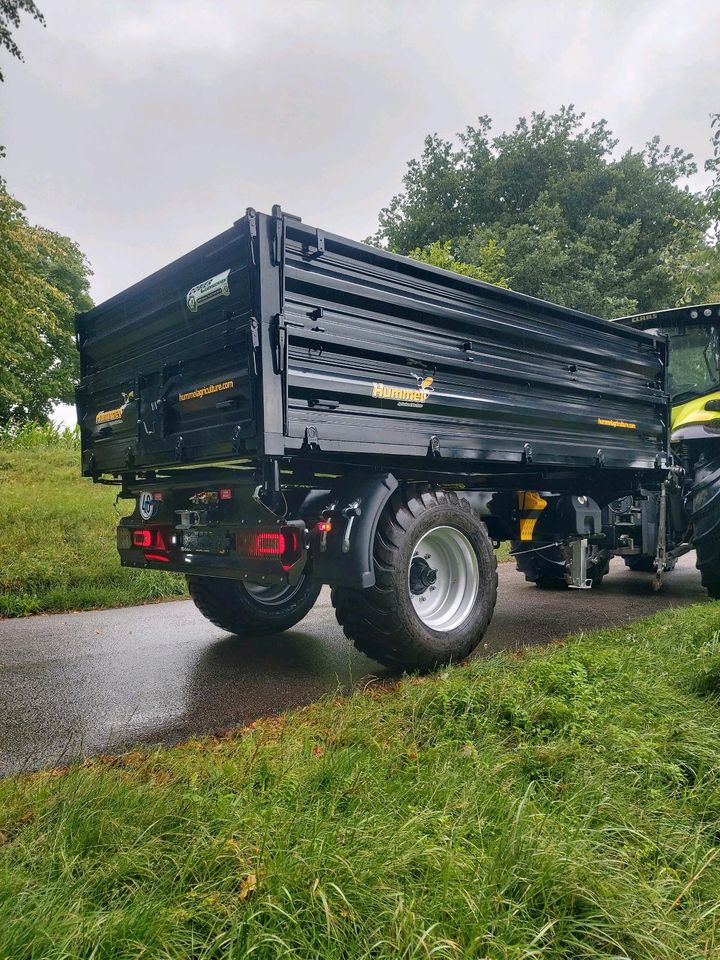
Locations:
(143, 128)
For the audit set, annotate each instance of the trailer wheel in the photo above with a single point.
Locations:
(435, 583)
(246, 608)
(549, 567)
(705, 498)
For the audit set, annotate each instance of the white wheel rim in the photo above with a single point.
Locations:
(275, 594)
(443, 578)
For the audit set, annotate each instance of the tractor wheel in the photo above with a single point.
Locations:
(549, 567)
(705, 497)
(248, 609)
(435, 583)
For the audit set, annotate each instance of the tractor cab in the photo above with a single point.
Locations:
(693, 366)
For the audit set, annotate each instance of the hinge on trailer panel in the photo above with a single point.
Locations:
(278, 239)
(527, 456)
(313, 254)
(251, 215)
(254, 332)
(312, 438)
(434, 447)
(254, 343)
(600, 457)
(280, 343)
(180, 449)
(237, 440)
(281, 340)
(317, 314)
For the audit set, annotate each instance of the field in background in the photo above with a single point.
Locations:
(553, 805)
(57, 533)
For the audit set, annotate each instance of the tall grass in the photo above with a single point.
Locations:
(57, 532)
(562, 804)
(39, 436)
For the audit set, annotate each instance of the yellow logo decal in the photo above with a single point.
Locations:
(107, 416)
(110, 416)
(206, 391)
(623, 424)
(405, 396)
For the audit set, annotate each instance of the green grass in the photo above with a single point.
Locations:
(57, 534)
(503, 553)
(560, 804)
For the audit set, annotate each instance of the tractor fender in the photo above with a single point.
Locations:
(343, 557)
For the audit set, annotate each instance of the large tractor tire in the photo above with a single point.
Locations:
(248, 609)
(549, 567)
(705, 497)
(435, 583)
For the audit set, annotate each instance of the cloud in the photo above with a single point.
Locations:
(143, 129)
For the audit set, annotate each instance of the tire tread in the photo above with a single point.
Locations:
(367, 615)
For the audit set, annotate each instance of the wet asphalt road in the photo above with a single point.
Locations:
(77, 684)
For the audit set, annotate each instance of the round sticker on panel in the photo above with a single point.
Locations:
(147, 505)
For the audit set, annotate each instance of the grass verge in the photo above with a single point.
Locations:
(560, 804)
(57, 534)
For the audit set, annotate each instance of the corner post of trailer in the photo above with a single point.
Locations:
(268, 306)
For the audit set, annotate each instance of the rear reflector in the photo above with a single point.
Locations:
(225, 493)
(163, 558)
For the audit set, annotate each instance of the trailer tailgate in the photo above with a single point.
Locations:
(166, 366)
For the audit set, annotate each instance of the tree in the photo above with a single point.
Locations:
(10, 11)
(44, 280)
(487, 266)
(578, 224)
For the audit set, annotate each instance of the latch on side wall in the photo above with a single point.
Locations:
(313, 251)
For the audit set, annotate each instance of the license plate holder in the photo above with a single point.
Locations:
(205, 541)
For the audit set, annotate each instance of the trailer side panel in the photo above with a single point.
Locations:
(389, 356)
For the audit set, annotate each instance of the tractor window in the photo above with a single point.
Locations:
(694, 366)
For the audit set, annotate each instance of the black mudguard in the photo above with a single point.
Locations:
(351, 564)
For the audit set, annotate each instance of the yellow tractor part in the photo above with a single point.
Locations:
(531, 505)
(693, 412)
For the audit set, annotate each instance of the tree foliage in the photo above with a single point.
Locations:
(487, 265)
(44, 280)
(10, 12)
(577, 223)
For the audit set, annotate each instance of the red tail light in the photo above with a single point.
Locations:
(149, 538)
(284, 544)
(267, 545)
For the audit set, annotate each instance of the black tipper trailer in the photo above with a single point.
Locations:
(292, 366)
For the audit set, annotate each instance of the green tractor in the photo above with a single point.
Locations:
(650, 529)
